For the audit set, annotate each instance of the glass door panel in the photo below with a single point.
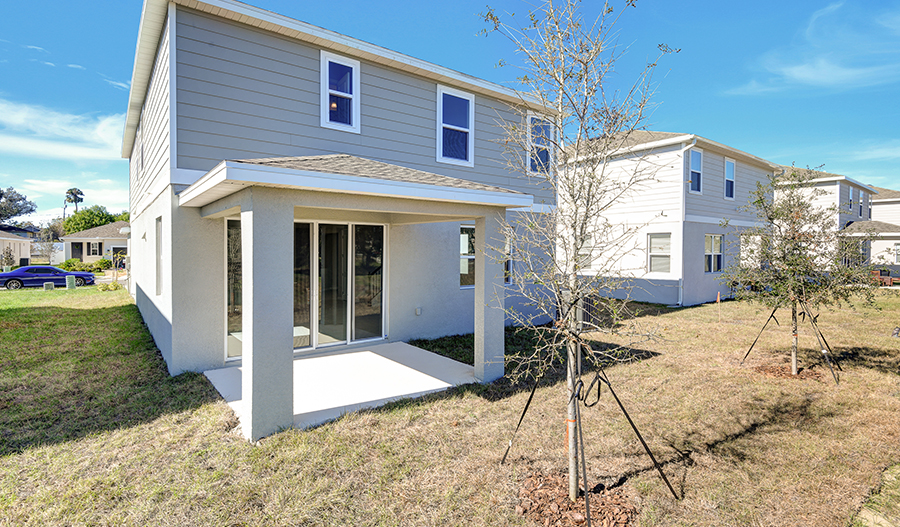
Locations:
(233, 279)
(333, 283)
(368, 257)
(302, 291)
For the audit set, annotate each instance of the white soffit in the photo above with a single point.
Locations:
(229, 177)
(153, 18)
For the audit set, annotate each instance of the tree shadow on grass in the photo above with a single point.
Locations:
(879, 359)
(68, 373)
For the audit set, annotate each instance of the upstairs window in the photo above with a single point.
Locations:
(540, 140)
(862, 199)
(850, 205)
(340, 93)
(696, 171)
(660, 256)
(897, 253)
(455, 137)
(729, 178)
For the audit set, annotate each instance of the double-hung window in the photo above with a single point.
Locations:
(94, 249)
(455, 127)
(660, 253)
(466, 256)
(714, 257)
(540, 141)
(862, 199)
(850, 205)
(696, 171)
(729, 178)
(897, 253)
(340, 92)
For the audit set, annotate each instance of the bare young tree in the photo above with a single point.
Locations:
(798, 255)
(571, 255)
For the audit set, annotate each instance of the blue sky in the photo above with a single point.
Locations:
(802, 82)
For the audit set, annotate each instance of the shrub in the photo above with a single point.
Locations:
(112, 286)
(70, 265)
(103, 264)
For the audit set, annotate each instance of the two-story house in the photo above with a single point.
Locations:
(294, 190)
(884, 222)
(690, 185)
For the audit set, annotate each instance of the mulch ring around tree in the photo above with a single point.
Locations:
(783, 371)
(545, 500)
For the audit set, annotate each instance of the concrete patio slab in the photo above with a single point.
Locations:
(328, 384)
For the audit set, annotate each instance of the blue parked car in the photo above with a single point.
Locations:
(36, 275)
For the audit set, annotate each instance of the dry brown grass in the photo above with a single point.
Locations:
(742, 447)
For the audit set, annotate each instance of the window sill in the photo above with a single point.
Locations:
(454, 161)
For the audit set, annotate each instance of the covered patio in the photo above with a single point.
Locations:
(274, 199)
(330, 384)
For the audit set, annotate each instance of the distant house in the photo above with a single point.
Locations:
(19, 246)
(885, 224)
(679, 251)
(851, 199)
(93, 244)
(24, 232)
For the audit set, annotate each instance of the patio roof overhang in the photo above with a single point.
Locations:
(320, 175)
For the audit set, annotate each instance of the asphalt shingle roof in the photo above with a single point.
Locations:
(871, 226)
(360, 167)
(886, 193)
(110, 230)
(10, 236)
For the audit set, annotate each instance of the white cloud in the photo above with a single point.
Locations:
(41, 132)
(841, 47)
(884, 151)
(120, 85)
(36, 48)
(39, 188)
(76, 66)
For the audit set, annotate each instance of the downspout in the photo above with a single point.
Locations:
(683, 215)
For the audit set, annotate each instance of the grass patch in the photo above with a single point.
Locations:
(95, 432)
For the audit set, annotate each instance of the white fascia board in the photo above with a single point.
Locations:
(738, 153)
(852, 181)
(701, 141)
(154, 15)
(538, 208)
(240, 175)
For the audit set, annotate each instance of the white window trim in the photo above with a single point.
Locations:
(850, 204)
(862, 197)
(733, 181)
(691, 170)
(897, 253)
(466, 256)
(439, 136)
(94, 249)
(705, 254)
(529, 116)
(327, 57)
(668, 254)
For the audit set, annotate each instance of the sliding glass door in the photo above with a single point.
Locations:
(338, 285)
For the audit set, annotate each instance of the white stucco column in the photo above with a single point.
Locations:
(489, 295)
(267, 252)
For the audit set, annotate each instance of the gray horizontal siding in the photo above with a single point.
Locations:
(712, 202)
(245, 93)
(659, 193)
(150, 156)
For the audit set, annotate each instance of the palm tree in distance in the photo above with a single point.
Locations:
(74, 195)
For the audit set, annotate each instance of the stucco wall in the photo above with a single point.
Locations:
(700, 286)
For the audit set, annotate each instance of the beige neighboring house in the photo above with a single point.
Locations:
(99, 242)
(20, 246)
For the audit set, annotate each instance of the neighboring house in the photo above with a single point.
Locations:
(25, 232)
(852, 199)
(885, 225)
(93, 244)
(20, 247)
(294, 189)
(681, 246)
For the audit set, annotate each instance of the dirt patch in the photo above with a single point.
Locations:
(545, 500)
(783, 371)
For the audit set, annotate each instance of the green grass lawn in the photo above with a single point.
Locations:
(93, 431)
